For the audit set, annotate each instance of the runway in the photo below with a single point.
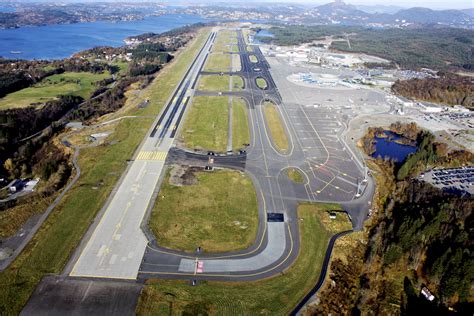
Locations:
(332, 175)
(117, 244)
(122, 247)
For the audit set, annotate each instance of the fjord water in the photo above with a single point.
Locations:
(62, 40)
(388, 147)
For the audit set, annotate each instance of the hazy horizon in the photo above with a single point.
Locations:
(434, 4)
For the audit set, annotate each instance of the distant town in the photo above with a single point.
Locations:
(335, 13)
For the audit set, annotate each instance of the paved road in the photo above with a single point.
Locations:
(322, 276)
(19, 241)
(315, 149)
(117, 244)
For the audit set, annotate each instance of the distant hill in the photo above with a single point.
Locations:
(339, 8)
(362, 14)
(377, 8)
(469, 12)
(424, 15)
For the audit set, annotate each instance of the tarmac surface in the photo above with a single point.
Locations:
(75, 296)
(332, 173)
(116, 246)
(119, 245)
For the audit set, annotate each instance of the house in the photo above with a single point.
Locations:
(332, 215)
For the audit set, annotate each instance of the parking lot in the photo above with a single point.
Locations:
(451, 179)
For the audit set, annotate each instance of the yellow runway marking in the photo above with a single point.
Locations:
(152, 155)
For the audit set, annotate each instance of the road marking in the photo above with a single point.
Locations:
(113, 259)
(101, 251)
(152, 155)
(200, 267)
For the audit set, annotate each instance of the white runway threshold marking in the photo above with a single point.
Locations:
(107, 254)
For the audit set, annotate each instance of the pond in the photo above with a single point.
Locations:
(262, 33)
(389, 147)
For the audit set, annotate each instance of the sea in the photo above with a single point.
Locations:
(63, 40)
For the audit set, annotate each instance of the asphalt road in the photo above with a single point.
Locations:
(119, 245)
(332, 175)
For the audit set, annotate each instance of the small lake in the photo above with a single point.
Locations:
(388, 147)
(262, 33)
(63, 40)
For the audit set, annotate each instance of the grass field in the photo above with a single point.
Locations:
(206, 124)
(237, 83)
(261, 83)
(276, 126)
(69, 83)
(224, 41)
(236, 64)
(218, 62)
(214, 83)
(123, 65)
(101, 167)
(275, 296)
(219, 213)
(240, 124)
(295, 175)
(253, 58)
(220, 83)
(234, 48)
(14, 217)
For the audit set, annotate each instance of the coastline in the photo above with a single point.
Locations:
(59, 41)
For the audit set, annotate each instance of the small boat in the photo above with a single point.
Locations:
(16, 52)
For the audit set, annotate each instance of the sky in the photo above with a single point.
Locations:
(432, 4)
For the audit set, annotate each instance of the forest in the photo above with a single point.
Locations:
(299, 34)
(19, 156)
(436, 48)
(447, 89)
(419, 236)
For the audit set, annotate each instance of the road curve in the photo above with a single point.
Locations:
(322, 276)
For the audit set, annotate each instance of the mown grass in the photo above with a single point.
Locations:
(236, 64)
(69, 83)
(261, 83)
(295, 175)
(224, 41)
(253, 58)
(214, 83)
(101, 167)
(237, 83)
(219, 213)
(274, 296)
(218, 62)
(240, 124)
(123, 66)
(276, 127)
(206, 124)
